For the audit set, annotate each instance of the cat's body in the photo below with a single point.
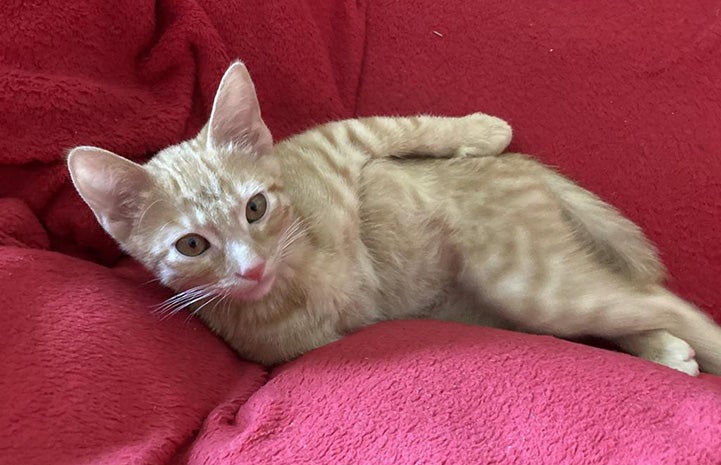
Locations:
(281, 250)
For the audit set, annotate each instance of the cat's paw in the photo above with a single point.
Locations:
(676, 354)
(485, 136)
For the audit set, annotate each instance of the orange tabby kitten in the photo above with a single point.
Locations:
(281, 249)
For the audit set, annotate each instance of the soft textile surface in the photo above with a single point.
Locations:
(401, 391)
(624, 98)
(87, 377)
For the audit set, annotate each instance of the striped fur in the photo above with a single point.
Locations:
(382, 218)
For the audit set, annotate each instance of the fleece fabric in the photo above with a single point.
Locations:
(622, 97)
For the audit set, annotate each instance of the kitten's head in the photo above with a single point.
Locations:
(209, 213)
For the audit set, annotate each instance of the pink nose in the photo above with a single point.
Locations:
(253, 274)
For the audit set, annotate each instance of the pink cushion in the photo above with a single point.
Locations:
(623, 98)
(404, 392)
(89, 375)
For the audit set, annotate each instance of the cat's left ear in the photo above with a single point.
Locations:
(235, 119)
(114, 188)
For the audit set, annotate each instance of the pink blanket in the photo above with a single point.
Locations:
(625, 98)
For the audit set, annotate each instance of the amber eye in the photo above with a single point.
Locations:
(255, 209)
(192, 245)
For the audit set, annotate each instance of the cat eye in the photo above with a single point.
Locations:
(192, 245)
(255, 209)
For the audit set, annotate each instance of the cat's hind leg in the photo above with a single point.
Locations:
(546, 273)
(651, 323)
(569, 296)
(686, 323)
(661, 347)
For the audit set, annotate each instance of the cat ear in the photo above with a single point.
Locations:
(111, 185)
(235, 118)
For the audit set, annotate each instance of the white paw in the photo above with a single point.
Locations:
(488, 136)
(676, 354)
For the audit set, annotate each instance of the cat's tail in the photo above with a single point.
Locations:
(616, 241)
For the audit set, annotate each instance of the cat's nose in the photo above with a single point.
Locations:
(255, 273)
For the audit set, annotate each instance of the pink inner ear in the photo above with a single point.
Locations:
(111, 186)
(94, 180)
(236, 117)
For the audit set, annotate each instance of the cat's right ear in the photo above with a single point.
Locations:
(235, 118)
(112, 186)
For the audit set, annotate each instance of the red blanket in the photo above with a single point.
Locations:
(623, 97)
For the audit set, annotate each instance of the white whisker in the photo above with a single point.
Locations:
(162, 228)
(183, 300)
(228, 305)
(294, 232)
(151, 281)
(147, 209)
(197, 310)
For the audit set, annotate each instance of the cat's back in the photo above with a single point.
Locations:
(322, 185)
(419, 218)
(417, 192)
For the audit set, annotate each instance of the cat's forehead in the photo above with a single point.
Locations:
(193, 171)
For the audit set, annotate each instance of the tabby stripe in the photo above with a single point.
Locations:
(336, 192)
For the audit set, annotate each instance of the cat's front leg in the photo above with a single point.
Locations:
(485, 136)
(477, 135)
(424, 136)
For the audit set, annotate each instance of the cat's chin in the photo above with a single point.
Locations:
(256, 291)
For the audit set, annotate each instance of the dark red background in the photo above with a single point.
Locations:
(624, 98)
